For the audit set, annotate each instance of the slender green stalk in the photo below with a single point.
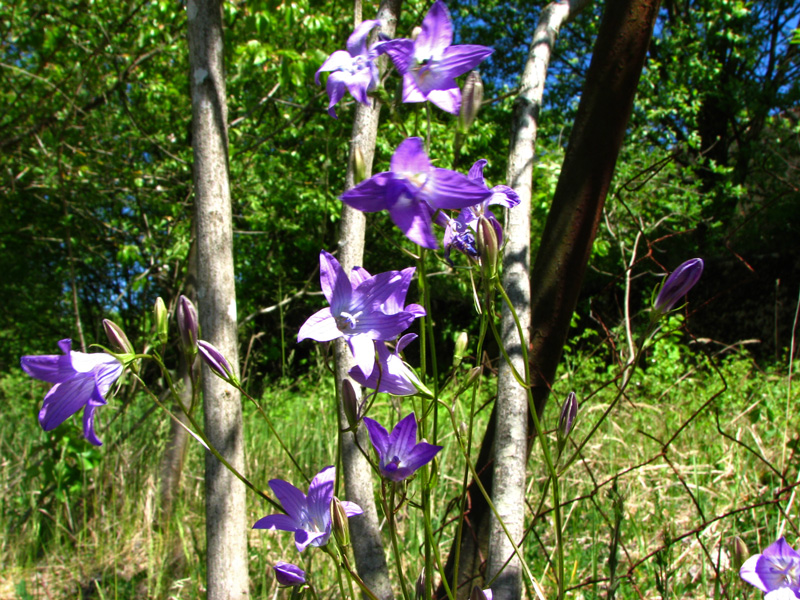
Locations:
(388, 509)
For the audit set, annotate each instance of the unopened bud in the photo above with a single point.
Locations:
(216, 362)
(339, 523)
(569, 410)
(161, 319)
(359, 166)
(289, 574)
(479, 594)
(462, 339)
(350, 403)
(471, 99)
(117, 338)
(419, 587)
(488, 247)
(677, 285)
(739, 553)
(187, 325)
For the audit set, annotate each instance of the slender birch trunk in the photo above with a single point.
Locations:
(603, 114)
(365, 530)
(226, 525)
(511, 439)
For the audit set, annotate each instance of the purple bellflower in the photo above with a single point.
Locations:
(354, 70)
(393, 375)
(678, 284)
(777, 568)
(399, 454)
(413, 191)
(479, 594)
(81, 382)
(430, 64)
(288, 574)
(309, 517)
(460, 233)
(362, 308)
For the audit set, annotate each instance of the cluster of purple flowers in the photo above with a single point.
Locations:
(429, 63)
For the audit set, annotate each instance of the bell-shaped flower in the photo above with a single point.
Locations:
(81, 382)
(399, 454)
(392, 376)
(362, 308)
(413, 191)
(354, 70)
(460, 233)
(776, 568)
(308, 516)
(429, 64)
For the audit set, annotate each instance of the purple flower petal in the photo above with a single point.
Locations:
(369, 195)
(280, 522)
(294, 501)
(351, 509)
(377, 435)
(335, 283)
(411, 91)
(448, 100)
(338, 60)
(454, 190)
(363, 349)
(413, 218)
(64, 400)
(357, 42)
(399, 454)
(777, 567)
(401, 51)
(410, 159)
(321, 327)
(436, 34)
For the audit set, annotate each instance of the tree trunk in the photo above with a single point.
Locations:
(226, 525)
(365, 530)
(603, 113)
(510, 442)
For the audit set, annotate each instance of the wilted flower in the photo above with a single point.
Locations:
(461, 232)
(429, 64)
(354, 70)
(362, 308)
(289, 574)
(678, 285)
(413, 191)
(216, 361)
(777, 568)
(81, 381)
(309, 517)
(393, 375)
(399, 454)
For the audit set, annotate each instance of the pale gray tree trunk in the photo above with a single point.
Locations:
(226, 525)
(511, 431)
(365, 529)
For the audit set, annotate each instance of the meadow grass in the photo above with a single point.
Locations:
(700, 448)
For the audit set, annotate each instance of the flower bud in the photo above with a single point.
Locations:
(471, 99)
(117, 338)
(160, 316)
(339, 523)
(739, 553)
(216, 362)
(350, 403)
(289, 574)
(462, 339)
(359, 166)
(479, 594)
(488, 248)
(677, 285)
(419, 587)
(569, 410)
(187, 325)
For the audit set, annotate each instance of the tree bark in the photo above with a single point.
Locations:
(603, 114)
(226, 525)
(511, 439)
(365, 529)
